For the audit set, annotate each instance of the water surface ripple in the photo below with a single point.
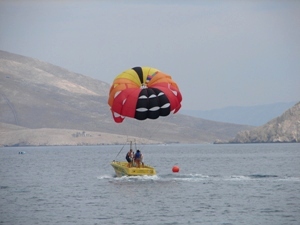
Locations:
(216, 184)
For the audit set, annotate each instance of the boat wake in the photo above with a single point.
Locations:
(252, 177)
(199, 178)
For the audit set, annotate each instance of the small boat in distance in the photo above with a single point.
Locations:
(122, 169)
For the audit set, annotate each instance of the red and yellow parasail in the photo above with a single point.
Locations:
(143, 92)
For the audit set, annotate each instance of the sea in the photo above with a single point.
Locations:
(216, 184)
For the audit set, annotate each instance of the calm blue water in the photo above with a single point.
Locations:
(217, 184)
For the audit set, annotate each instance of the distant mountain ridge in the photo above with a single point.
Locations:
(248, 115)
(43, 104)
(282, 129)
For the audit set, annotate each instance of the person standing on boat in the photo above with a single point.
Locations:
(137, 158)
(129, 157)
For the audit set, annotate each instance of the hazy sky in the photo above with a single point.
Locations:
(220, 53)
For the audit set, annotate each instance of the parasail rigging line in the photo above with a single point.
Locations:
(156, 126)
(120, 151)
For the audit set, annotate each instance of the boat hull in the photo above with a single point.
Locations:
(122, 169)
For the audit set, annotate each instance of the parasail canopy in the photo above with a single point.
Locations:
(143, 93)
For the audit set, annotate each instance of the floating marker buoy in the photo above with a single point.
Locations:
(175, 169)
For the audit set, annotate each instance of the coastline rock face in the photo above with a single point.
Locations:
(283, 129)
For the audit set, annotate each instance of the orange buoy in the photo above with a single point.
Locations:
(175, 169)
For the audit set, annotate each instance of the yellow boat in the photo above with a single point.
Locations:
(122, 169)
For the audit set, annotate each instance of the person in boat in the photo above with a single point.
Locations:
(137, 158)
(129, 157)
(142, 160)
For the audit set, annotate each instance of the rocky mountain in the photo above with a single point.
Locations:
(285, 128)
(43, 104)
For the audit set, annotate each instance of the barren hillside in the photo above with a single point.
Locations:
(46, 99)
